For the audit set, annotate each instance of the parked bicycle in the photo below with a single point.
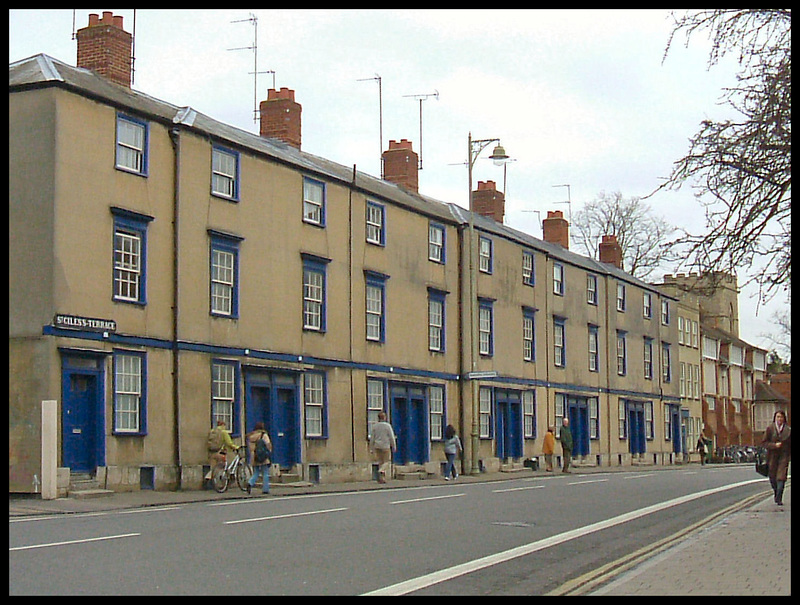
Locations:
(236, 470)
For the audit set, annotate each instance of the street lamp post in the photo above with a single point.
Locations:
(474, 148)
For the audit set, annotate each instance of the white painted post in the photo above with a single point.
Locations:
(49, 450)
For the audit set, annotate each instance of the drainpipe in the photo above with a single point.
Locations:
(350, 315)
(174, 135)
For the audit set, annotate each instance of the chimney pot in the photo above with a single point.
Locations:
(489, 202)
(555, 228)
(611, 251)
(401, 164)
(106, 50)
(281, 117)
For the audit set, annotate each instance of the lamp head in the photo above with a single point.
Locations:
(498, 155)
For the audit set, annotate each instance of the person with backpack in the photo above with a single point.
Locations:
(218, 442)
(260, 448)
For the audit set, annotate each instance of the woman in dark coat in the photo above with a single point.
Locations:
(778, 443)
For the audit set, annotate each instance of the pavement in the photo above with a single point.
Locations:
(742, 550)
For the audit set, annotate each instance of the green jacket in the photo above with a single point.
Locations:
(566, 438)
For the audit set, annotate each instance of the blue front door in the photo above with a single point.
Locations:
(508, 428)
(82, 420)
(578, 413)
(637, 440)
(273, 398)
(410, 423)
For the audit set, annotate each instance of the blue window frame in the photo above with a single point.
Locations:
(130, 393)
(315, 289)
(528, 268)
(130, 256)
(132, 143)
(224, 274)
(375, 306)
(559, 342)
(528, 334)
(436, 320)
(485, 260)
(376, 224)
(224, 173)
(437, 409)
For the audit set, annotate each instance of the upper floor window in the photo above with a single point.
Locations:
(622, 353)
(594, 348)
(527, 268)
(559, 342)
(313, 202)
(528, 338)
(558, 279)
(224, 172)
(436, 241)
(314, 292)
(647, 305)
(665, 312)
(485, 327)
(130, 255)
(376, 229)
(132, 138)
(591, 289)
(224, 274)
(621, 297)
(375, 306)
(666, 365)
(436, 329)
(648, 358)
(485, 254)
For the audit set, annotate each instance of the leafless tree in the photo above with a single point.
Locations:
(642, 236)
(741, 169)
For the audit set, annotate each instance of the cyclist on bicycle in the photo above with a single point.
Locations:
(219, 442)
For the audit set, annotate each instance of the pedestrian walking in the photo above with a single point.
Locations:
(260, 448)
(549, 447)
(778, 443)
(383, 443)
(452, 447)
(702, 448)
(566, 444)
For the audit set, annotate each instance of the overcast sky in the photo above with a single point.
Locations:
(577, 97)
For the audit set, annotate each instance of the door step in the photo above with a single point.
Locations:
(83, 494)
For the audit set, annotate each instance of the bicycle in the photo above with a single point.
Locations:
(237, 469)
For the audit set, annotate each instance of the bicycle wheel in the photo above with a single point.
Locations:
(243, 473)
(220, 479)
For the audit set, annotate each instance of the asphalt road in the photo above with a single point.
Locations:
(521, 536)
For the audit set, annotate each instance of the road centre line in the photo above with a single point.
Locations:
(414, 584)
(516, 489)
(589, 481)
(286, 516)
(426, 499)
(69, 542)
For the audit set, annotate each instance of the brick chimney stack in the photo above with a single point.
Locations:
(611, 251)
(488, 201)
(401, 164)
(556, 228)
(280, 117)
(105, 48)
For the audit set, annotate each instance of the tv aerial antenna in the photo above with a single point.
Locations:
(377, 79)
(254, 47)
(422, 98)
